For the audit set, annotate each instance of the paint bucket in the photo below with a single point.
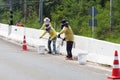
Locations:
(82, 58)
(41, 49)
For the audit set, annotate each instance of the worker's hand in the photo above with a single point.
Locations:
(58, 36)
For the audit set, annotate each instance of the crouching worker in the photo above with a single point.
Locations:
(52, 38)
(19, 24)
(69, 37)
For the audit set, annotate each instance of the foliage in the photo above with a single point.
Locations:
(75, 11)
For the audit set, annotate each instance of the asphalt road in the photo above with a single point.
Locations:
(16, 64)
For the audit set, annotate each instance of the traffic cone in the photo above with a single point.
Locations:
(24, 46)
(116, 69)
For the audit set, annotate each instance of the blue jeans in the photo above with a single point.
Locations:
(54, 44)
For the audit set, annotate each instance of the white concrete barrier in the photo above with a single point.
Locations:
(4, 30)
(98, 51)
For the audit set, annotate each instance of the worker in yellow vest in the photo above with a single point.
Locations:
(52, 38)
(69, 37)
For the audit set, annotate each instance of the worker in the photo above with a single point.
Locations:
(69, 37)
(19, 24)
(52, 38)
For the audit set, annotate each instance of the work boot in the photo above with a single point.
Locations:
(54, 53)
(49, 52)
(69, 58)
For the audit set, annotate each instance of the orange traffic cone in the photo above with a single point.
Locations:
(24, 46)
(116, 69)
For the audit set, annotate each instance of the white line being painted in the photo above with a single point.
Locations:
(98, 51)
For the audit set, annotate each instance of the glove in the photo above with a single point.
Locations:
(64, 39)
(58, 36)
(40, 37)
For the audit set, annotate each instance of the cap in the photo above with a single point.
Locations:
(46, 19)
(63, 21)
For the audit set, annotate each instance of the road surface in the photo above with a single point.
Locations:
(16, 64)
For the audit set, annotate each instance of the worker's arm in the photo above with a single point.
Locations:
(63, 30)
(43, 34)
(43, 27)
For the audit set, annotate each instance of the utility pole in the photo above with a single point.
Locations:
(11, 13)
(93, 21)
(111, 14)
(11, 19)
(25, 10)
(40, 11)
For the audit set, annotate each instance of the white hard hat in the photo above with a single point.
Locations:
(46, 19)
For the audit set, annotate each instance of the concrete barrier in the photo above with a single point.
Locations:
(98, 51)
(4, 30)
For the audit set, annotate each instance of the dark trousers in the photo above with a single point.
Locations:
(69, 48)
